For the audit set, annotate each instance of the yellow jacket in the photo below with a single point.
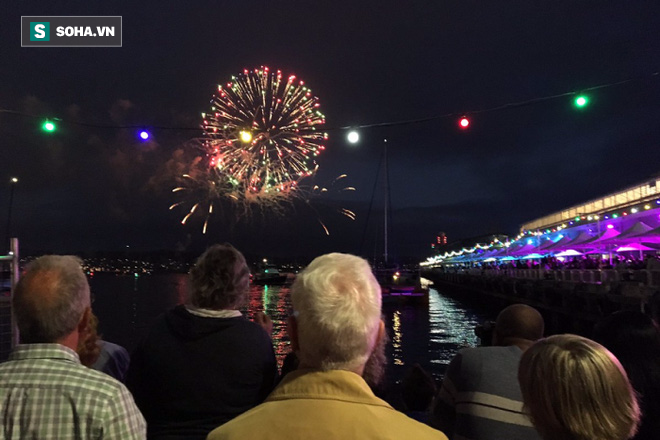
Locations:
(312, 404)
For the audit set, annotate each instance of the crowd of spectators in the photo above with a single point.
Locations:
(206, 371)
(619, 263)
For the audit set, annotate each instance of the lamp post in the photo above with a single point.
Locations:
(12, 184)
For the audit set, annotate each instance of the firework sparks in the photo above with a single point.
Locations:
(262, 133)
(261, 140)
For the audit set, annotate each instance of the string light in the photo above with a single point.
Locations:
(580, 101)
(48, 126)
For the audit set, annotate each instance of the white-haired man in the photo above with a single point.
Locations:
(335, 329)
(45, 393)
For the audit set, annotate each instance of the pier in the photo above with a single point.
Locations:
(570, 300)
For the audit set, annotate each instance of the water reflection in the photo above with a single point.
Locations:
(396, 338)
(428, 334)
(276, 303)
(451, 327)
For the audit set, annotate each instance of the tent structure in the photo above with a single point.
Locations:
(609, 234)
(631, 247)
(523, 250)
(583, 237)
(631, 234)
(568, 253)
(651, 236)
(550, 245)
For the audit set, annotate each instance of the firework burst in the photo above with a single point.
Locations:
(262, 133)
(261, 140)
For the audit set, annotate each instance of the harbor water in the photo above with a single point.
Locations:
(428, 334)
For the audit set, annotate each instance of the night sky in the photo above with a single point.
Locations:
(88, 189)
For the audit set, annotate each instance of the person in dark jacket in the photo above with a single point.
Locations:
(203, 363)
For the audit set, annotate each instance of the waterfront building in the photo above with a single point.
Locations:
(626, 223)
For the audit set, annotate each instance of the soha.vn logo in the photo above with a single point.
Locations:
(39, 31)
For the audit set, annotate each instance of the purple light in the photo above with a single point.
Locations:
(610, 226)
(144, 135)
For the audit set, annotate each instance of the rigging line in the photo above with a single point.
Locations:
(371, 203)
(388, 213)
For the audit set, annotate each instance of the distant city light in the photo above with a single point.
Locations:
(464, 122)
(353, 137)
(14, 179)
(144, 135)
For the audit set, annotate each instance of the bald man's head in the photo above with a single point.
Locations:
(50, 299)
(518, 324)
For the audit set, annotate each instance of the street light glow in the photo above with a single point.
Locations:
(353, 137)
(14, 179)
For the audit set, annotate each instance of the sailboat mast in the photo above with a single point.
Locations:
(387, 195)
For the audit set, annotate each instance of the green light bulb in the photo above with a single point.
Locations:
(581, 101)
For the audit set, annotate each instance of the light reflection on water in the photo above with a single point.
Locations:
(428, 334)
(276, 303)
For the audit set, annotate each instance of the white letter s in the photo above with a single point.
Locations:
(39, 31)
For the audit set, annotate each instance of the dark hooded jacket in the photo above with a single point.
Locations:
(191, 374)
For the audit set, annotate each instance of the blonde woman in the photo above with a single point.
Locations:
(574, 389)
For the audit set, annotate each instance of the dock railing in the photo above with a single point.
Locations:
(9, 277)
(648, 278)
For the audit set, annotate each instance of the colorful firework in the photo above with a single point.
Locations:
(261, 139)
(261, 133)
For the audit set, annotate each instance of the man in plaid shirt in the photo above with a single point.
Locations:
(45, 393)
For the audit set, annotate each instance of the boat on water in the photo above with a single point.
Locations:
(270, 275)
(402, 285)
(397, 284)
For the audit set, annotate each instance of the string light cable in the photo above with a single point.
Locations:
(461, 114)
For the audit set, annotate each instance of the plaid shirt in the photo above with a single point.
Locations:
(45, 393)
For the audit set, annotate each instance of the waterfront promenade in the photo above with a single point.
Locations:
(572, 300)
